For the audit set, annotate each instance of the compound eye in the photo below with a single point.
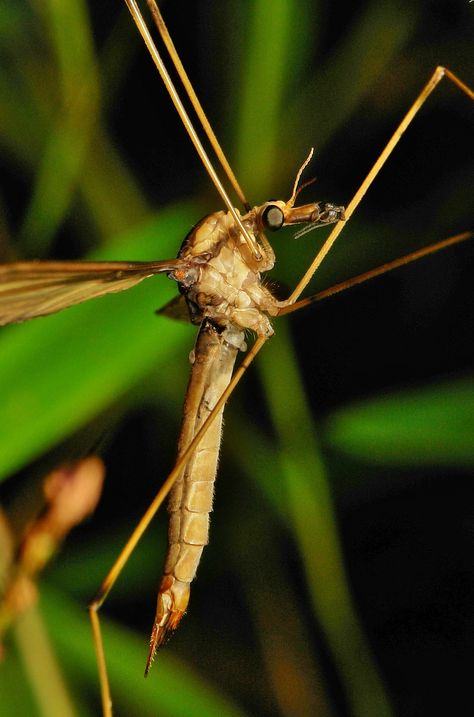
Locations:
(272, 217)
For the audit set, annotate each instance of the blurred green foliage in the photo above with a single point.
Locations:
(94, 163)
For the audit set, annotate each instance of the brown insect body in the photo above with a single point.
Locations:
(221, 281)
(219, 271)
(221, 278)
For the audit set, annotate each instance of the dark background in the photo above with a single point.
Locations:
(386, 369)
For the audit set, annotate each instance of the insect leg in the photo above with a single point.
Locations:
(378, 271)
(143, 524)
(432, 83)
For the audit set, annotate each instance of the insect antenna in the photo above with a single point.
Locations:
(296, 189)
(439, 73)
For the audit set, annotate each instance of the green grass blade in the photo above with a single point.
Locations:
(80, 361)
(430, 426)
(172, 690)
(312, 520)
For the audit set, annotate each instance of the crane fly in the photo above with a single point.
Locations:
(218, 272)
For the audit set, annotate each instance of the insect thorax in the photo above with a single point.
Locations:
(221, 281)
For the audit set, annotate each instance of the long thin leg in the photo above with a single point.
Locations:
(143, 524)
(166, 37)
(378, 271)
(117, 567)
(185, 119)
(434, 80)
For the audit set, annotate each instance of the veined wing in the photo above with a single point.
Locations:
(36, 288)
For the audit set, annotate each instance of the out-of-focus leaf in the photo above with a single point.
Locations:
(14, 701)
(78, 362)
(172, 689)
(267, 71)
(312, 518)
(428, 426)
(379, 32)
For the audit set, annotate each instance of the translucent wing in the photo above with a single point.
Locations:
(29, 289)
(176, 309)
